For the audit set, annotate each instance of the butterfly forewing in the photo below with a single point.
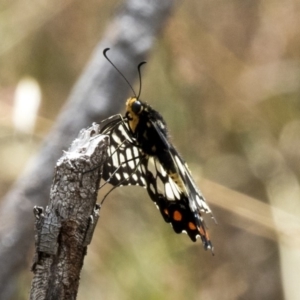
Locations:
(197, 201)
(123, 166)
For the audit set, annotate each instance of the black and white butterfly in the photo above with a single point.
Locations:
(141, 153)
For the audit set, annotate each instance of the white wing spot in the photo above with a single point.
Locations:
(122, 158)
(143, 180)
(135, 152)
(128, 153)
(115, 160)
(169, 192)
(124, 133)
(163, 171)
(175, 189)
(193, 206)
(152, 188)
(180, 164)
(203, 205)
(112, 148)
(134, 177)
(129, 157)
(117, 139)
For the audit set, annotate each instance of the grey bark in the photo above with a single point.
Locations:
(99, 93)
(65, 227)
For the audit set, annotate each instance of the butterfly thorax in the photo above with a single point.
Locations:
(147, 126)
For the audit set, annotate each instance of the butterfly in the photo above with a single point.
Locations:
(141, 153)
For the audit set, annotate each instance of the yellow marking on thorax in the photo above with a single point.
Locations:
(134, 117)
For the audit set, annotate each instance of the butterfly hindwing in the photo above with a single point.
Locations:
(197, 201)
(173, 203)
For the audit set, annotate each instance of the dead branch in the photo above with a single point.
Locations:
(65, 227)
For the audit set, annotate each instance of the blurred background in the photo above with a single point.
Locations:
(226, 77)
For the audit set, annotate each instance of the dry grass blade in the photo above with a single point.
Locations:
(259, 213)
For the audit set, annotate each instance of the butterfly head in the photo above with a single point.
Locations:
(134, 108)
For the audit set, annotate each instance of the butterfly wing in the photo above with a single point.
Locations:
(179, 204)
(190, 199)
(197, 200)
(173, 203)
(123, 165)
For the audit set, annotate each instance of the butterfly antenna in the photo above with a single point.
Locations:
(105, 55)
(140, 77)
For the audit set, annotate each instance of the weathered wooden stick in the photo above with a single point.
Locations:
(65, 227)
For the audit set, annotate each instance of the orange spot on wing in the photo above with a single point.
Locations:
(192, 226)
(177, 216)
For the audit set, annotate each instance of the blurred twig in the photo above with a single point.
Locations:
(65, 228)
